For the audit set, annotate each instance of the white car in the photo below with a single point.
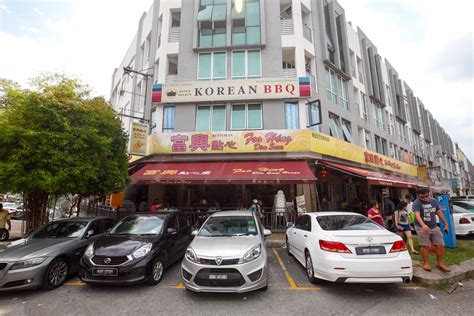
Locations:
(348, 247)
(463, 221)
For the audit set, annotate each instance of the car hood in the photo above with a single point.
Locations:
(225, 247)
(33, 247)
(117, 246)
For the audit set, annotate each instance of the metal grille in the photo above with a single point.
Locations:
(114, 261)
(225, 262)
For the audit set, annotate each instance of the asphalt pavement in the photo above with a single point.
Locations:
(289, 293)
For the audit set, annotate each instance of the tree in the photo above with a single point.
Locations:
(56, 139)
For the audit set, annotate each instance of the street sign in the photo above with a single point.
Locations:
(450, 237)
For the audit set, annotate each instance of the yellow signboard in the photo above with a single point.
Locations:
(138, 139)
(266, 141)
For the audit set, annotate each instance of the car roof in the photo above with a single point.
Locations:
(332, 213)
(232, 213)
(82, 219)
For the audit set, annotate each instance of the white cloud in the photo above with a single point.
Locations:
(33, 30)
(38, 11)
(426, 42)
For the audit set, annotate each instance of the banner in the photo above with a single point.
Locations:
(138, 139)
(225, 90)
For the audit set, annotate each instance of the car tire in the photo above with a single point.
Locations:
(4, 234)
(155, 272)
(288, 248)
(309, 268)
(56, 274)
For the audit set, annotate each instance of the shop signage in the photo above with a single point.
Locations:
(224, 90)
(138, 139)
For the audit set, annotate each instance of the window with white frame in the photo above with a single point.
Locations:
(378, 144)
(246, 116)
(154, 121)
(168, 119)
(367, 142)
(331, 85)
(210, 118)
(342, 100)
(384, 147)
(314, 113)
(335, 127)
(364, 109)
(347, 131)
(246, 64)
(377, 115)
(212, 66)
(212, 23)
(336, 88)
(245, 16)
(291, 115)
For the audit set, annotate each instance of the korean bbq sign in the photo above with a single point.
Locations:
(222, 90)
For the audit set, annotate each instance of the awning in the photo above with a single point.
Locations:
(375, 178)
(248, 172)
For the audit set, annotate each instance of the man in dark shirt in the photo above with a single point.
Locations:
(427, 229)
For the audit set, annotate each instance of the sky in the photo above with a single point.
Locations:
(429, 42)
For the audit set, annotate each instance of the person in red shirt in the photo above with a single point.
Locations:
(155, 206)
(375, 214)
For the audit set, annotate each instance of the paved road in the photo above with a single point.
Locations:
(289, 293)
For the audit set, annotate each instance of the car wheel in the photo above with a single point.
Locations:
(156, 272)
(288, 248)
(310, 268)
(56, 274)
(4, 234)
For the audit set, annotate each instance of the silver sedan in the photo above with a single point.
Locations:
(227, 254)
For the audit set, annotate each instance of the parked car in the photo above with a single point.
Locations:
(227, 254)
(49, 254)
(348, 247)
(463, 221)
(137, 249)
(465, 204)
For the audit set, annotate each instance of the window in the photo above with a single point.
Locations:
(367, 142)
(334, 127)
(153, 121)
(377, 115)
(173, 223)
(212, 65)
(246, 116)
(245, 22)
(168, 119)
(342, 93)
(212, 23)
(378, 144)
(210, 118)
(365, 111)
(331, 88)
(183, 222)
(384, 147)
(347, 131)
(336, 88)
(175, 19)
(291, 115)
(314, 114)
(246, 64)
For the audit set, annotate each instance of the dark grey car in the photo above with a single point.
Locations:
(50, 254)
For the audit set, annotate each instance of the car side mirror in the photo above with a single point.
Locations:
(90, 233)
(171, 231)
(289, 224)
(194, 233)
(267, 232)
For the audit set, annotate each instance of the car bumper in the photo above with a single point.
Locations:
(194, 276)
(464, 229)
(22, 279)
(387, 270)
(132, 273)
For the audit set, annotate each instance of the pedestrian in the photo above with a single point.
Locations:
(4, 220)
(255, 207)
(409, 200)
(155, 206)
(142, 206)
(428, 232)
(374, 213)
(402, 224)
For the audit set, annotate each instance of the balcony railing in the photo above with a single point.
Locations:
(289, 73)
(174, 34)
(287, 27)
(171, 78)
(308, 33)
(312, 81)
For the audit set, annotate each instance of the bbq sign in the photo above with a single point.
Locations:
(222, 90)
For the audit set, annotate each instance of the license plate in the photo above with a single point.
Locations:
(376, 250)
(217, 276)
(105, 272)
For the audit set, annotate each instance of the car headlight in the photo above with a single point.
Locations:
(142, 251)
(89, 253)
(252, 254)
(191, 255)
(28, 263)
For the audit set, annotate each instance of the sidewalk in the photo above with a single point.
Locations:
(425, 278)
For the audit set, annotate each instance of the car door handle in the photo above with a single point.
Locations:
(305, 235)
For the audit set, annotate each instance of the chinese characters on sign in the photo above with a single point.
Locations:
(138, 139)
(380, 160)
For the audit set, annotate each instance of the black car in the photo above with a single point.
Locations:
(137, 249)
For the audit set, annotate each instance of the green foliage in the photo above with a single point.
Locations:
(57, 139)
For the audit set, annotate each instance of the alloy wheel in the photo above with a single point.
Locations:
(57, 273)
(309, 266)
(157, 272)
(3, 236)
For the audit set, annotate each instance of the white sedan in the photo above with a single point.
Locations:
(463, 221)
(348, 247)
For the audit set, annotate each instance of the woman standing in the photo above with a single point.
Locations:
(402, 223)
(375, 214)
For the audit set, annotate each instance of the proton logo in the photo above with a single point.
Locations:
(369, 240)
(218, 261)
(107, 260)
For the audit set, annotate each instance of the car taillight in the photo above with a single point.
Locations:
(333, 246)
(399, 246)
(463, 221)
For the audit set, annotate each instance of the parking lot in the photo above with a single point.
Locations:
(289, 292)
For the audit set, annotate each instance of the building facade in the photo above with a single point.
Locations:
(220, 74)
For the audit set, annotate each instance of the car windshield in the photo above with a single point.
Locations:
(61, 229)
(139, 225)
(347, 222)
(229, 226)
